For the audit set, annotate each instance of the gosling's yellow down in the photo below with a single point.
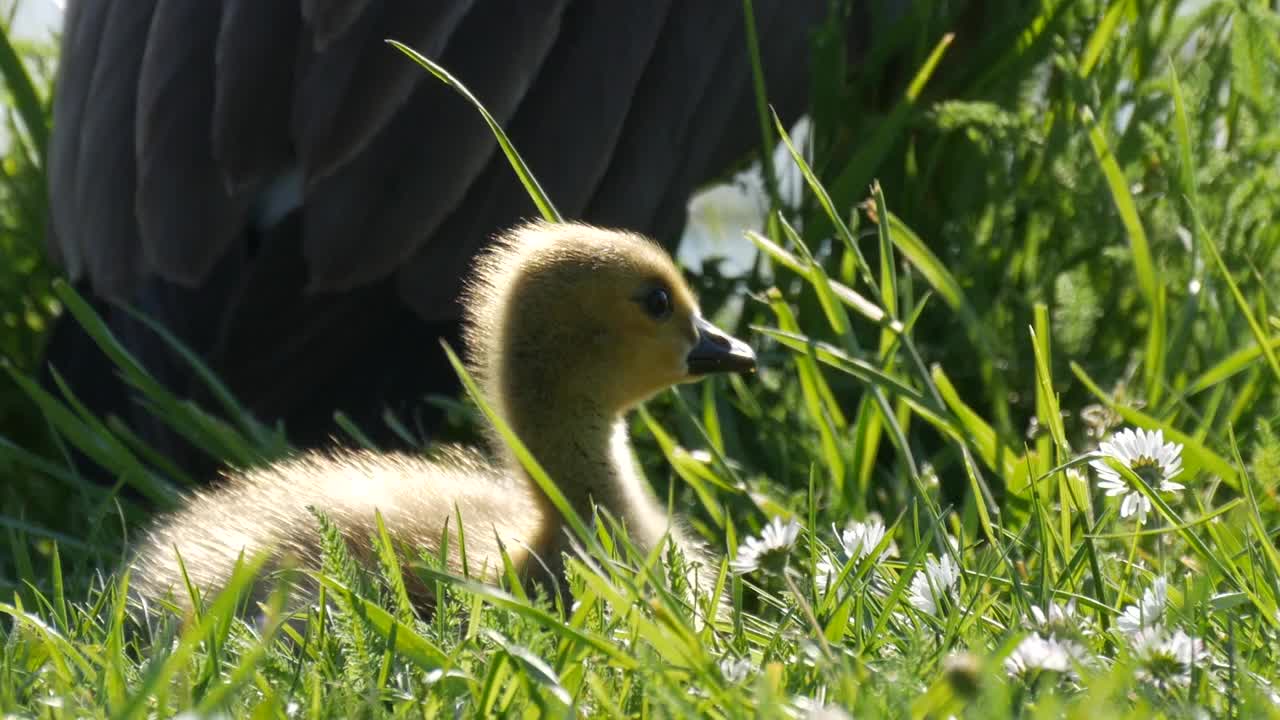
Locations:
(568, 327)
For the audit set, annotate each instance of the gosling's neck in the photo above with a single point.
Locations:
(586, 450)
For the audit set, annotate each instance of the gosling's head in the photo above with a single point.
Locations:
(570, 312)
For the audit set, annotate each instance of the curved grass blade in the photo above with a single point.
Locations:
(527, 179)
(408, 643)
(1259, 334)
(847, 295)
(1235, 363)
(860, 169)
(25, 97)
(1143, 263)
(1102, 36)
(526, 458)
(501, 599)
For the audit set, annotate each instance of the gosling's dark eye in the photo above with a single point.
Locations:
(657, 303)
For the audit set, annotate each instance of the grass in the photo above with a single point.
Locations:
(1071, 231)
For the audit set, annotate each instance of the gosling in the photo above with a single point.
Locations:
(568, 327)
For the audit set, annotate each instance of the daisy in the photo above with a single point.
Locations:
(859, 540)
(735, 670)
(1165, 660)
(769, 551)
(815, 709)
(938, 580)
(1145, 453)
(1149, 611)
(1036, 653)
(1060, 620)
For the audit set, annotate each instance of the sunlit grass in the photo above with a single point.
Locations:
(1073, 232)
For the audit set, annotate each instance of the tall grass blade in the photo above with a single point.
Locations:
(531, 185)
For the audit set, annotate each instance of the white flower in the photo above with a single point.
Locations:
(1057, 614)
(815, 709)
(1149, 611)
(1061, 620)
(861, 539)
(735, 670)
(1165, 660)
(1036, 652)
(770, 550)
(858, 540)
(1145, 453)
(936, 582)
(719, 215)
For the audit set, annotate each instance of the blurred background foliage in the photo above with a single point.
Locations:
(27, 303)
(1017, 142)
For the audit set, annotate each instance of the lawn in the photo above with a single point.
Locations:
(1012, 450)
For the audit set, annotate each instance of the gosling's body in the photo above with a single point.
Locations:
(568, 327)
(267, 509)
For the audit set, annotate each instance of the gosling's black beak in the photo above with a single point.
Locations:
(719, 352)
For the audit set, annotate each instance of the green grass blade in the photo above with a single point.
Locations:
(531, 185)
(526, 458)
(408, 643)
(1102, 36)
(1143, 262)
(850, 297)
(1259, 333)
(27, 101)
(1230, 366)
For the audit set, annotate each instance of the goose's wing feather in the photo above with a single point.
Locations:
(722, 130)
(348, 91)
(185, 216)
(254, 62)
(100, 224)
(395, 194)
(83, 29)
(330, 19)
(698, 43)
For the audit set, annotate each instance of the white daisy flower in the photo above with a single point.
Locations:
(1056, 615)
(861, 539)
(769, 551)
(815, 709)
(1145, 453)
(1036, 653)
(858, 540)
(938, 580)
(1060, 620)
(1165, 660)
(1149, 612)
(736, 670)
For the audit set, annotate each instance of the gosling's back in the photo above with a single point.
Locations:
(266, 509)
